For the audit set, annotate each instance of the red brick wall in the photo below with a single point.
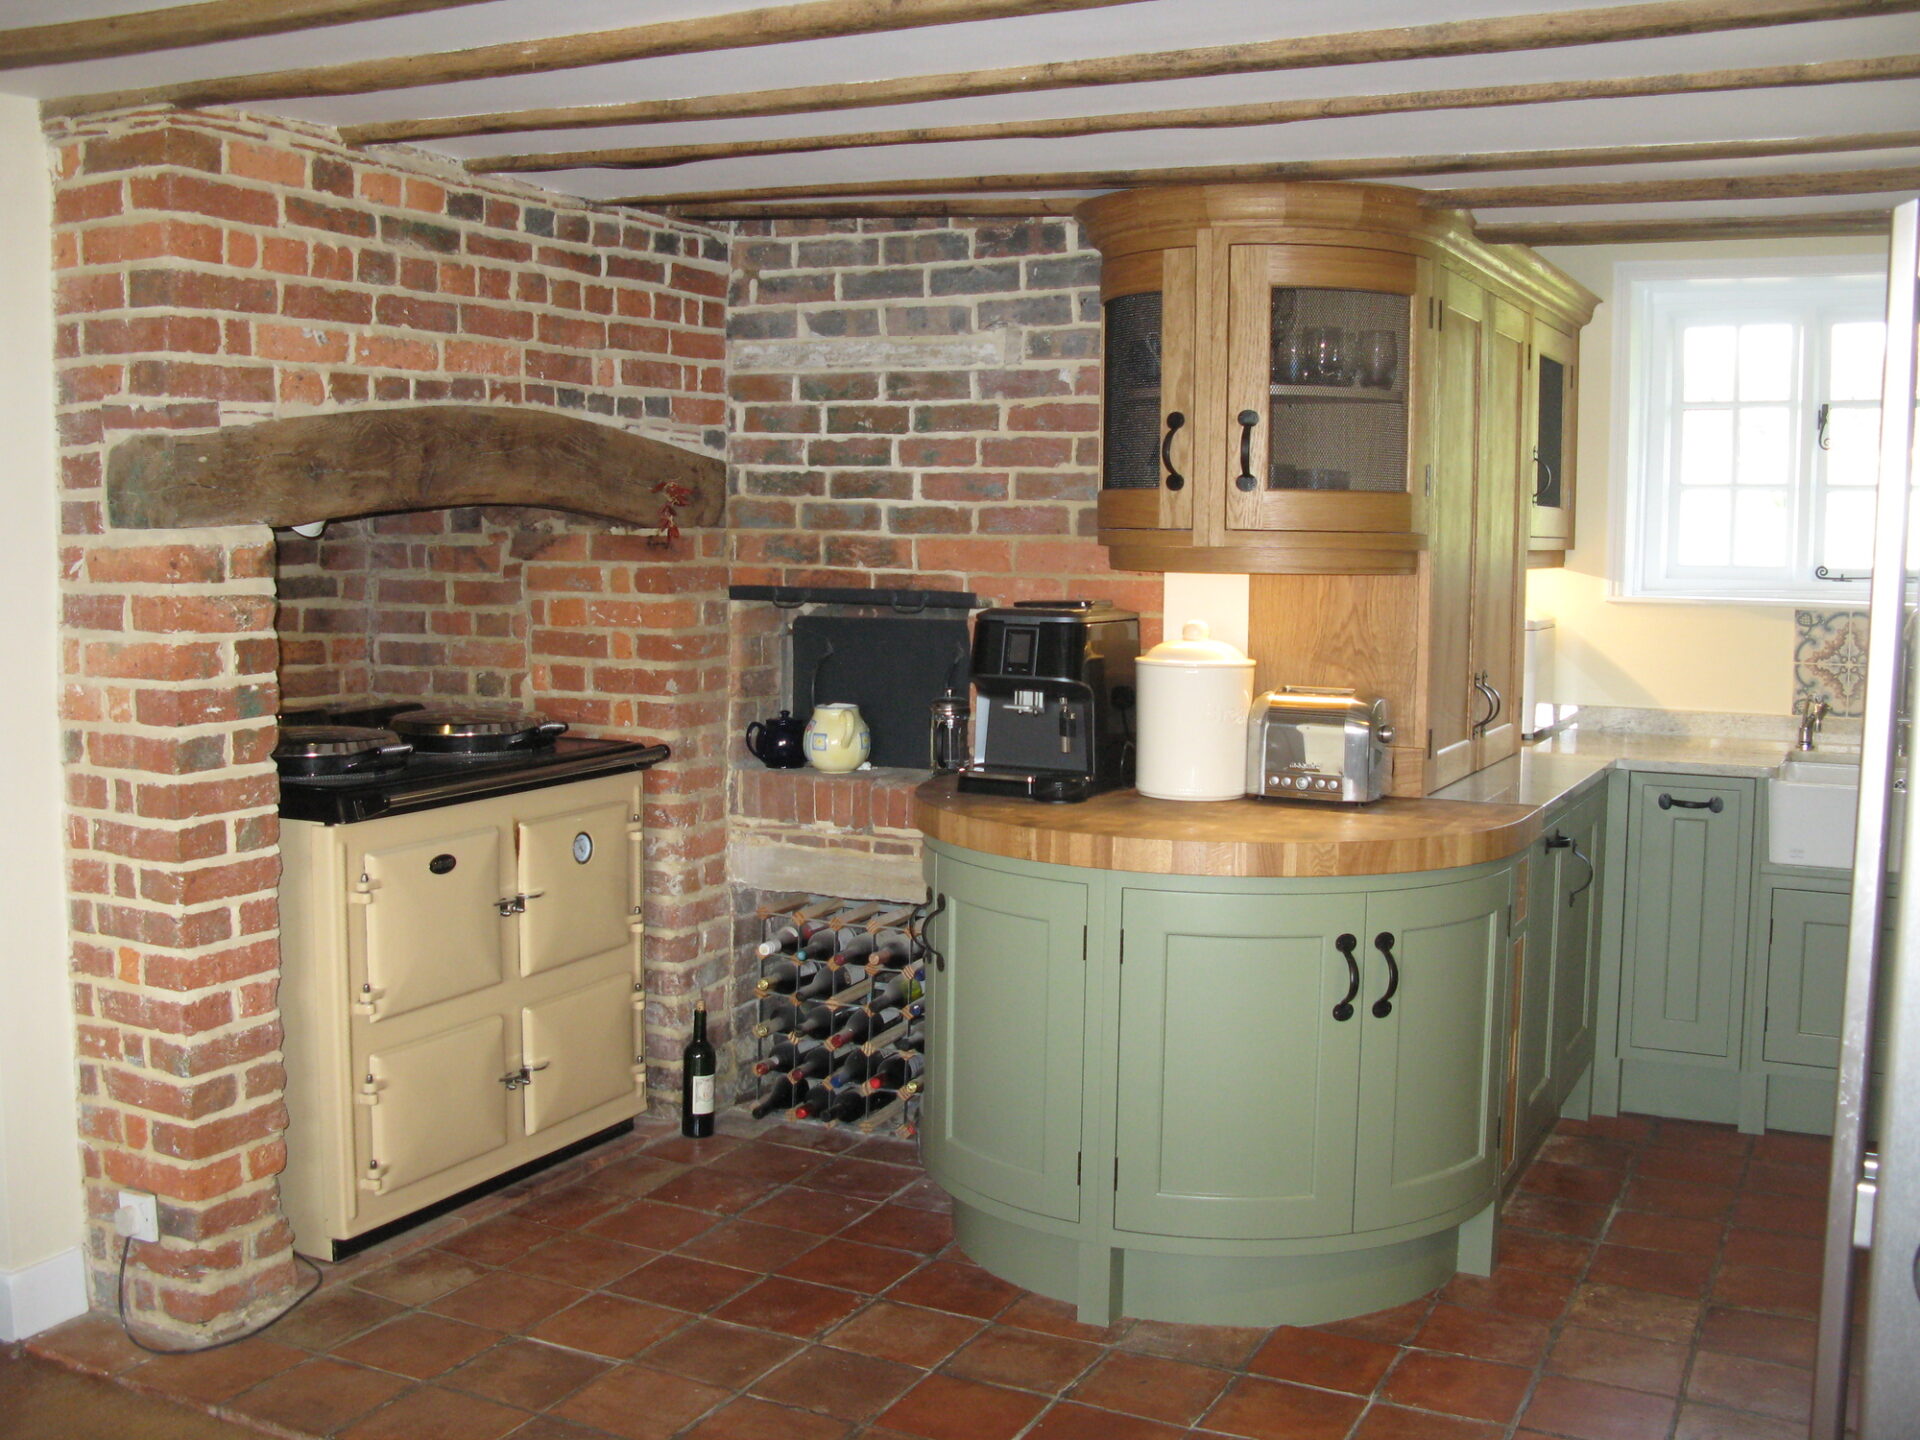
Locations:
(215, 271)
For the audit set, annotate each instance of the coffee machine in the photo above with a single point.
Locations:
(1055, 717)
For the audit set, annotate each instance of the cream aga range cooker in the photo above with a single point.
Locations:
(460, 939)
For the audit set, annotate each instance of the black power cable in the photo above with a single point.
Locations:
(120, 1300)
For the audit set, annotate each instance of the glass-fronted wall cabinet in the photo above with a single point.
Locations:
(1550, 384)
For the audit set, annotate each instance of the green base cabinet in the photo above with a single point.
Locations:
(1214, 1117)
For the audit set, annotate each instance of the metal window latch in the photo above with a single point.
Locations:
(523, 1077)
(511, 905)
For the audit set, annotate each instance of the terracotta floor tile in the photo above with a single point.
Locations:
(1585, 1411)
(585, 1261)
(1808, 1184)
(549, 1427)
(904, 1332)
(1700, 1169)
(964, 1289)
(812, 1211)
(1390, 1327)
(1669, 1273)
(683, 1284)
(1056, 1317)
(1634, 1312)
(923, 1194)
(1534, 1250)
(638, 1403)
(1700, 1137)
(1223, 1345)
(710, 1189)
(1791, 1214)
(729, 1355)
(336, 1313)
(318, 1397)
(1679, 1197)
(608, 1325)
(525, 1373)
(1275, 1410)
(925, 1232)
(693, 1152)
(1172, 1391)
(749, 1419)
(1783, 1147)
(635, 1177)
(1664, 1232)
(1070, 1421)
(863, 1179)
(1557, 1217)
(497, 1241)
(214, 1375)
(1571, 1182)
(943, 1407)
(1317, 1357)
(792, 1307)
(1390, 1422)
(431, 1413)
(867, 1269)
(1710, 1422)
(1607, 1357)
(1457, 1385)
(1738, 1383)
(1750, 1287)
(506, 1301)
(1634, 1129)
(1484, 1335)
(1771, 1250)
(417, 1345)
(772, 1165)
(837, 1382)
(1779, 1338)
(649, 1223)
(1022, 1359)
(93, 1343)
(571, 1207)
(1512, 1291)
(748, 1246)
(1593, 1151)
(823, 1140)
(420, 1278)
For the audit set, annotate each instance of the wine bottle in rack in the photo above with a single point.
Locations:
(780, 1095)
(846, 1107)
(784, 1055)
(860, 1024)
(787, 977)
(859, 984)
(795, 1021)
(813, 1104)
(812, 1065)
(905, 987)
(897, 949)
(890, 1072)
(860, 945)
(698, 1062)
(788, 938)
(852, 1066)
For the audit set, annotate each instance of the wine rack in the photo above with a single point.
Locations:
(840, 1003)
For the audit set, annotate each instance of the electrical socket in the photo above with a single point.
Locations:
(138, 1217)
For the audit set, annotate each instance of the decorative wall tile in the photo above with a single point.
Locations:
(1830, 659)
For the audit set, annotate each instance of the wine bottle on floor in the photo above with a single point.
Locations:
(697, 1065)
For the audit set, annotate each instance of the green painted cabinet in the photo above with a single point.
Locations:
(1806, 972)
(1006, 1023)
(1690, 862)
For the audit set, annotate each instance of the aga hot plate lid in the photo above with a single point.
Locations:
(476, 727)
(336, 749)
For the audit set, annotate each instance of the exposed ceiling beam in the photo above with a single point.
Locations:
(962, 208)
(1458, 37)
(775, 25)
(1725, 187)
(178, 26)
(1368, 168)
(1834, 72)
(1755, 227)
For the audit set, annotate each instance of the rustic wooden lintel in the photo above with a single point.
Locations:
(424, 457)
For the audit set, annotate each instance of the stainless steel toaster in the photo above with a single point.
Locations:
(1307, 743)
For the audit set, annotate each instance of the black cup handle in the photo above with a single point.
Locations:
(1175, 480)
(1345, 945)
(1383, 1007)
(1245, 480)
(1715, 805)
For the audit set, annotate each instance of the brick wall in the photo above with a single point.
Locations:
(210, 271)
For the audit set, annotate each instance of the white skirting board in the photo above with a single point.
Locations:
(41, 1296)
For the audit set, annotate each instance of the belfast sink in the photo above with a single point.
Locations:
(1811, 802)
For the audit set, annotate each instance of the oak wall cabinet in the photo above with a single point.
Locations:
(1340, 391)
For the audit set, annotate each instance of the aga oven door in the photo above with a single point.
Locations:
(578, 876)
(432, 928)
(580, 1052)
(432, 1103)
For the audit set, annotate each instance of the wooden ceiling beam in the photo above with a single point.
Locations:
(1458, 37)
(178, 26)
(733, 30)
(1833, 72)
(934, 207)
(1626, 232)
(1368, 168)
(1725, 187)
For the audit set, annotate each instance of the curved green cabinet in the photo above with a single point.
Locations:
(1145, 1100)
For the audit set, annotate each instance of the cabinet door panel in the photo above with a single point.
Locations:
(582, 1043)
(1429, 1069)
(1576, 945)
(437, 1102)
(1499, 541)
(1533, 1049)
(1235, 1110)
(1012, 998)
(577, 870)
(1551, 451)
(431, 931)
(1454, 704)
(1149, 347)
(1685, 956)
(1806, 973)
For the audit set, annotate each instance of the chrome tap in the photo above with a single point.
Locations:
(1812, 713)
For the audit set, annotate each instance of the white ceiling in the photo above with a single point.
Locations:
(1144, 25)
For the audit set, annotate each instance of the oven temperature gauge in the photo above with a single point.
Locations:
(582, 847)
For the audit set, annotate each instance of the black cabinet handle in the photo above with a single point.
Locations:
(1544, 485)
(1493, 694)
(1175, 480)
(1245, 480)
(1383, 1007)
(1345, 945)
(1716, 804)
(1574, 894)
(926, 932)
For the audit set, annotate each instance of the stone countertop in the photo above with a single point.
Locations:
(1560, 767)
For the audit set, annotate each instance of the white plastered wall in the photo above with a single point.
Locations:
(41, 1275)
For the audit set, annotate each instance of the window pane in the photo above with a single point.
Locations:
(1702, 527)
(1848, 541)
(1764, 457)
(1760, 529)
(1706, 363)
(1858, 347)
(1853, 445)
(1706, 447)
(1766, 362)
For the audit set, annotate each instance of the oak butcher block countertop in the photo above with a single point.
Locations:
(1124, 830)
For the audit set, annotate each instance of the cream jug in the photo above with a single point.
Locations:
(837, 738)
(1193, 698)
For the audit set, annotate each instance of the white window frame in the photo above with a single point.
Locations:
(1648, 291)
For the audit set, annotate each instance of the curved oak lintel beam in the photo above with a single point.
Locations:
(425, 457)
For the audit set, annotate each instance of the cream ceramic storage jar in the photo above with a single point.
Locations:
(1193, 693)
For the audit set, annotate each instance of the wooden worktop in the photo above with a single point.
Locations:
(1124, 830)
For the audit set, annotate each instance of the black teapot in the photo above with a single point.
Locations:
(779, 743)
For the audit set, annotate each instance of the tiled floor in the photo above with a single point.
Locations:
(1657, 1281)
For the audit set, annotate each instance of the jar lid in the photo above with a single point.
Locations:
(1195, 647)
